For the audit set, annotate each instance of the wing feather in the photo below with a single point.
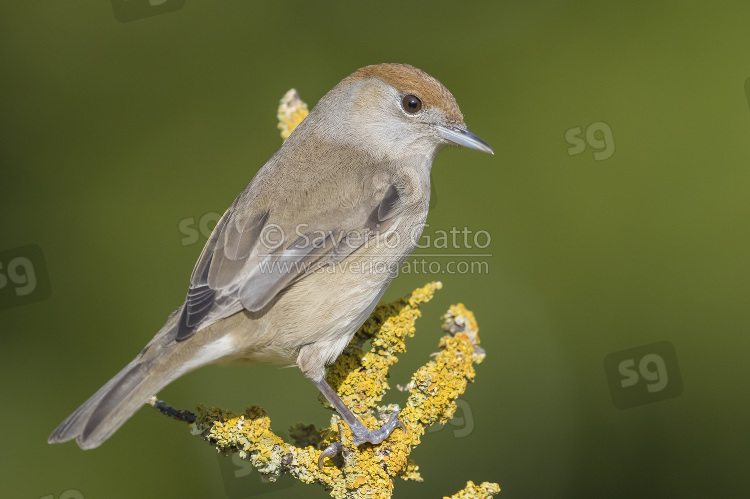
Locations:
(238, 270)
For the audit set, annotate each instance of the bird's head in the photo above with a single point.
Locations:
(392, 110)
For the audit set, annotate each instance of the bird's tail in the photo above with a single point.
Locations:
(114, 403)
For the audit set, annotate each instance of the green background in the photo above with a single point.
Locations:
(112, 133)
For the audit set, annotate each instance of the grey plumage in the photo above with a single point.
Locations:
(305, 252)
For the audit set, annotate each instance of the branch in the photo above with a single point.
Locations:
(483, 491)
(360, 378)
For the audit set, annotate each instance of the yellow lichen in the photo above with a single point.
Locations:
(360, 379)
(292, 110)
(459, 319)
(483, 491)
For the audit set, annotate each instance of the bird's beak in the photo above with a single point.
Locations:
(463, 137)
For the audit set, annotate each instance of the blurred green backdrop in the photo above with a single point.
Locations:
(626, 231)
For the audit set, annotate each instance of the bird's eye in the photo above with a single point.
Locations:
(411, 104)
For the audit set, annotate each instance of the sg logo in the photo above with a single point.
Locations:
(242, 481)
(598, 136)
(643, 375)
(656, 379)
(192, 230)
(132, 10)
(68, 494)
(23, 277)
(464, 424)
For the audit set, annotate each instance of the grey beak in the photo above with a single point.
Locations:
(463, 137)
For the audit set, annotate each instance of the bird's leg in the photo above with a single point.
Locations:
(360, 434)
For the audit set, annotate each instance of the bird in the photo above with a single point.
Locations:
(302, 256)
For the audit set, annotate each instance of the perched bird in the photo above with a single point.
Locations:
(304, 253)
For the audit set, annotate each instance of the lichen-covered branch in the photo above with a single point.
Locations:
(485, 490)
(359, 376)
(292, 110)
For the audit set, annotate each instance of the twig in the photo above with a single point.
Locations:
(168, 410)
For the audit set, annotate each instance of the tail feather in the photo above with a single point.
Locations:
(121, 397)
(118, 405)
(73, 425)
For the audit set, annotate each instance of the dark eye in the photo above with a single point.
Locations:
(411, 103)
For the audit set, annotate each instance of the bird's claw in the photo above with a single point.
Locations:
(330, 452)
(361, 435)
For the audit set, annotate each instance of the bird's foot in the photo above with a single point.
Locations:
(360, 435)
